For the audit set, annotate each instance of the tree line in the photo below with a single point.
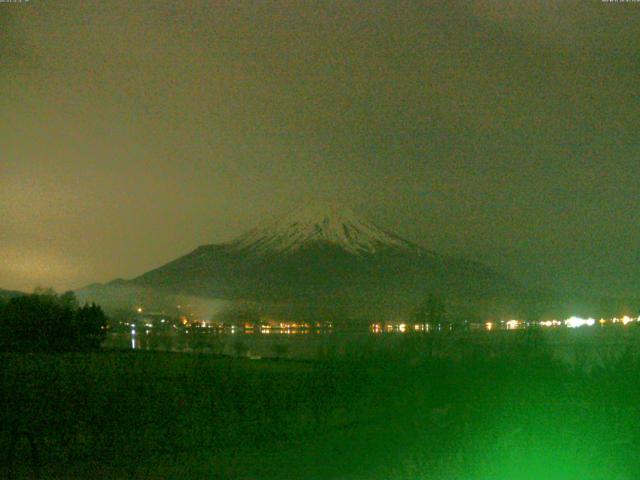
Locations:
(50, 322)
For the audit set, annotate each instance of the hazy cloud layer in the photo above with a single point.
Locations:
(135, 131)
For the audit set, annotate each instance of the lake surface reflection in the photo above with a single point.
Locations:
(588, 346)
(308, 343)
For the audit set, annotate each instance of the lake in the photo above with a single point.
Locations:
(585, 345)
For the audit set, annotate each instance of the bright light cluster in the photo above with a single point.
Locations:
(551, 323)
(575, 322)
(626, 320)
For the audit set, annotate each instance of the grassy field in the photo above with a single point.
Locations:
(369, 414)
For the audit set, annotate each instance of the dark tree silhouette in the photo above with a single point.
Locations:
(432, 310)
(45, 321)
(90, 325)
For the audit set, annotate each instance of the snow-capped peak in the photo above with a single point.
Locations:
(316, 223)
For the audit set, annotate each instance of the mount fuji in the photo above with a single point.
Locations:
(317, 224)
(321, 260)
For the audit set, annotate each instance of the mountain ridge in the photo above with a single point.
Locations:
(7, 294)
(322, 260)
(323, 222)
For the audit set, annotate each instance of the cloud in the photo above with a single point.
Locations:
(25, 268)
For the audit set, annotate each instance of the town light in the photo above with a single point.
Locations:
(513, 324)
(576, 322)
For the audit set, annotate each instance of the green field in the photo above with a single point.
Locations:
(367, 415)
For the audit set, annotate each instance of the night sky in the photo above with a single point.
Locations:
(132, 132)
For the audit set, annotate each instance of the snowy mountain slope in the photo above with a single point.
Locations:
(321, 223)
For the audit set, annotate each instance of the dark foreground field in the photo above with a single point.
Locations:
(366, 415)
